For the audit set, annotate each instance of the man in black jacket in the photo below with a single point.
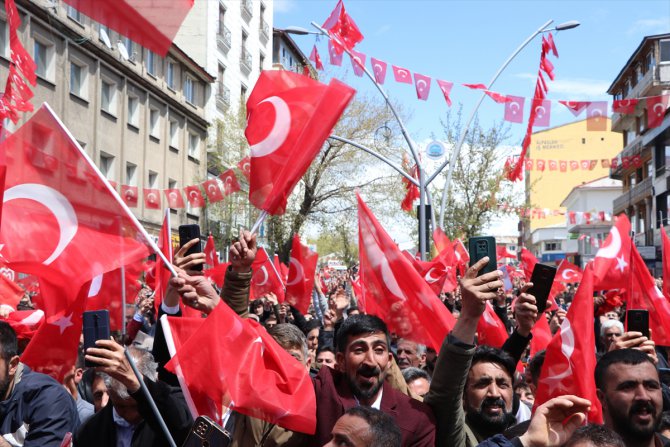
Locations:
(128, 419)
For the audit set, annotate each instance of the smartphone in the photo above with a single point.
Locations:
(638, 320)
(480, 246)
(542, 279)
(205, 432)
(187, 233)
(95, 327)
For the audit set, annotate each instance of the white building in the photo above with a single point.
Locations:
(549, 244)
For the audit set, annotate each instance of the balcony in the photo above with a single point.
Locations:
(247, 9)
(223, 98)
(245, 61)
(641, 86)
(264, 32)
(223, 39)
(634, 195)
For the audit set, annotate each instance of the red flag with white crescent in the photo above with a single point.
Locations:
(358, 62)
(422, 84)
(105, 292)
(402, 75)
(314, 57)
(289, 118)
(265, 278)
(596, 116)
(341, 26)
(514, 109)
(576, 107)
(194, 196)
(568, 272)
(230, 183)
(152, 199)
(129, 195)
(445, 86)
(490, 328)
(211, 257)
(244, 166)
(213, 190)
(656, 108)
(379, 70)
(300, 280)
(611, 265)
(624, 105)
(174, 198)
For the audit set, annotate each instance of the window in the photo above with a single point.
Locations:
(130, 46)
(193, 146)
(153, 180)
(650, 61)
(107, 165)
(174, 134)
(73, 13)
(108, 97)
(638, 73)
(243, 93)
(154, 127)
(189, 90)
(222, 16)
(169, 75)
(151, 63)
(78, 78)
(131, 178)
(133, 114)
(552, 246)
(43, 53)
(261, 61)
(4, 39)
(665, 50)
(618, 96)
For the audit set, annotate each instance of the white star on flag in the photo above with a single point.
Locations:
(621, 263)
(63, 323)
(260, 341)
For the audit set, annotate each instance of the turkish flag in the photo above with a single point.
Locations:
(574, 165)
(379, 70)
(52, 217)
(445, 86)
(596, 116)
(21, 57)
(611, 265)
(540, 165)
(213, 190)
(665, 240)
(570, 357)
(335, 57)
(401, 296)
(514, 109)
(10, 292)
(230, 183)
(194, 196)
(624, 105)
(129, 195)
(217, 274)
(300, 280)
(174, 198)
(645, 295)
(153, 24)
(461, 255)
(53, 349)
(441, 240)
(553, 165)
(20, 94)
(542, 113)
(563, 165)
(211, 258)
(152, 199)
(656, 107)
(265, 278)
(413, 192)
(476, 86)
(422, 84)
(289, 118)
(541, 335)
(342, 29)
(497, 97)
(528, 261)
(282, 269)
(490, 329)
(106, 291)
(25, 322)
(568, 272)
(547, 67)
(244, 166)
(357, 62)
(245, 368)
(439, 272)
(160, 273)
(576, 107)
(402, 75)
(504, 252)
(528, 164)
(314, 57)
(548, 45)
(585, 164)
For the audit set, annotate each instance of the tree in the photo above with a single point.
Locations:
(478, 185)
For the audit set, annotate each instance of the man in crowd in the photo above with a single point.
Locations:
(365, 427)
(35, 410)
(71, 381)
(128, 420)
(629, 390)
(325, 356)
(471, 393)
(410, 354)
(417, 380)
(610, 330)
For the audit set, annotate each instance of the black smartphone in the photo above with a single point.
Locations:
(205, 432)
(480, 246)
(187, 233)
(637, 320)
(542, 279)
(95, 327)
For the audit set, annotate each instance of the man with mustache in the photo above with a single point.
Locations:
(629, 390)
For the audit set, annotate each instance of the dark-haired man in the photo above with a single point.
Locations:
(365, 427)
(35, 410)
(629, 390)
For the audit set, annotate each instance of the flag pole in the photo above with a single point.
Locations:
(123, 302)
(116, 196)
(150, 400)
(259, 222)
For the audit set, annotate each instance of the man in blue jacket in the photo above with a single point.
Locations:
(35, 409)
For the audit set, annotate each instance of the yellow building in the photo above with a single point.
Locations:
(581, 153)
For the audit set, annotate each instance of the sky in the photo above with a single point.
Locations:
(467, 41)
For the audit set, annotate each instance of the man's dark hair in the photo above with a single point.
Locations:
(535, 366)
(358, 325)
(8, 341)
(487, 354)
(596, 435)
(413, 373)
(625, 356)
(288, 336)
(384, 431)
(311, 325)
(326, 348)
(665, 422)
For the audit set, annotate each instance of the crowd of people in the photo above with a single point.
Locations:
(372, 388)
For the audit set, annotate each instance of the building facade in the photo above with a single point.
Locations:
(140, 117)
(646, 188)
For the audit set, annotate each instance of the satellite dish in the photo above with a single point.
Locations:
(105, 38)
(122, 50)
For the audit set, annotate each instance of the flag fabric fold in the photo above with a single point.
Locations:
(300, 278)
